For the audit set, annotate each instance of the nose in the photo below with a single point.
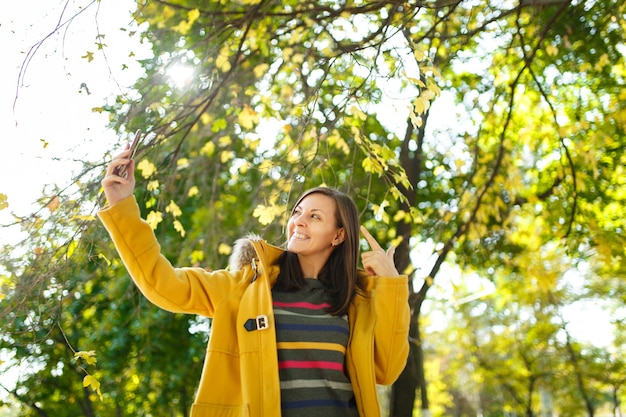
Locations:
(299, 220)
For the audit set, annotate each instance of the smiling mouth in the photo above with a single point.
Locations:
(299, 236)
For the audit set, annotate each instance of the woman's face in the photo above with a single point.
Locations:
(312, 228)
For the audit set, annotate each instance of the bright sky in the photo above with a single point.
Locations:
(50, 127)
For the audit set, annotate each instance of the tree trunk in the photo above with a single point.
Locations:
(404, 389)
(617, 412)
(86, 404)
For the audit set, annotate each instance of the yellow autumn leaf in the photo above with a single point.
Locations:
(90, 381)
(260, 70)
(355, 111)
(408, 270)
(403, 179)
(182, 163)
(196, 256)
(222, 62)
(53, 204)
(154, 218)
(337, 141)
(428, 95)
(208, 149)
(251, 143)
(4, 201)
(173, 208)
(147, 168)
(396, 242)
(266, 214)
(193, 191)
(415, 119)
(167, 12)
(88, 313)
(226, 156)
(178, 226)
(293, 157)
(287, 52)
(89, 356)
(416, 215)
(380, 213)
(206, 119)
(286, 92)
(224, 249)
(356, 135)
(88, 56)
(153, 185)
(416, 81)
(95, 384)
(552, 50)
(602, 62)
(372, 165)
(265, 166)
(151, 201)
(184, 26)
(71, 248)
(432, 84)
(399, 215)
(439, 170)
(421, 104)
(248, 117)
(225, 141)
(219, 124)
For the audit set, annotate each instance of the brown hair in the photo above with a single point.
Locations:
(339, 275)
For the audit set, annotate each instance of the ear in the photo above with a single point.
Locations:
(340, 236)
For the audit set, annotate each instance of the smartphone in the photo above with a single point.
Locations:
(121, 171)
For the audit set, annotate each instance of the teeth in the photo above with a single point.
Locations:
(299, 236)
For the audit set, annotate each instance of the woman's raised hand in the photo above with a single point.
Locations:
(117, 187)
(378, 261)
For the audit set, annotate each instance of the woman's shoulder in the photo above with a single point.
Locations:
(367, 283)
(251, 249)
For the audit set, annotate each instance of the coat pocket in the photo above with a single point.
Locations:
(216, 410)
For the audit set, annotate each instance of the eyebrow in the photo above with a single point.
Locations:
(299, 206)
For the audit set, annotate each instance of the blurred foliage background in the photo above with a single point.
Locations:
(485, 138)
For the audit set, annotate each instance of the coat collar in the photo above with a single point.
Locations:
(252, 250)
(264, 257)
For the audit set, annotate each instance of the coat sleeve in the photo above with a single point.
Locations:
(179, 290)
(391, 333)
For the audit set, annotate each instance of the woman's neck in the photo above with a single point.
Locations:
(311, 268)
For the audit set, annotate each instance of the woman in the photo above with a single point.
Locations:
(295, 332)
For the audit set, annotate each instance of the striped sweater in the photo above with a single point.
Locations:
(311, 354)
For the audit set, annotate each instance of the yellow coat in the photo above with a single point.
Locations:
(240, 374)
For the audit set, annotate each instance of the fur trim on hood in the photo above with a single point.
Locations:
(243, 252)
